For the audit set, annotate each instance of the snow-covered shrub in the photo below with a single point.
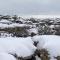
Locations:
(6, 56)
(57, 58)
(15, 17)
(20, 48)
(45, 30)
(17, 31)
(33, 34)
(7, 17)
(33, 20)
(49, 42)
(42, 54)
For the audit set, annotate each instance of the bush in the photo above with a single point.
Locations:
(43, 54)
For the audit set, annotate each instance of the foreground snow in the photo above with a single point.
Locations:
(5, 56)
(49, 42)
(22, 47)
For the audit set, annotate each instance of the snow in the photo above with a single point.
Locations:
(5, 21)
(5, 56)
(37, 58)
(5, 34)
(3, 25)
(24, 47)
(49, 42)
(51, 26)
(39, 39)
(12, 25)
(19, 46)
(53, 59)
(17, 25)
(33, 30)
(40, 16)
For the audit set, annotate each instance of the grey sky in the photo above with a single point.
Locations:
(30, 7)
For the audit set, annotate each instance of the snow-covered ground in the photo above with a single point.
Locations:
(49, 42)
(12, 41)
(40, 16)
(24, 47)
(5, 56)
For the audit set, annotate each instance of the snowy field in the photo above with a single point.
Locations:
(24, 47)
(30, 37)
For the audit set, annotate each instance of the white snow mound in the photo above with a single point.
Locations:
(23, 47)
(5, 56)
(49, 42)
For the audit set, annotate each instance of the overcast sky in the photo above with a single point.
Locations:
(30, 7)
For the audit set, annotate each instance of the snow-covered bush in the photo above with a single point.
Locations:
(49, 42)
(43, 54)
(18, 47)
(6, 56)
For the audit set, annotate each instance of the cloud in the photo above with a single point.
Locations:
(29, 6)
